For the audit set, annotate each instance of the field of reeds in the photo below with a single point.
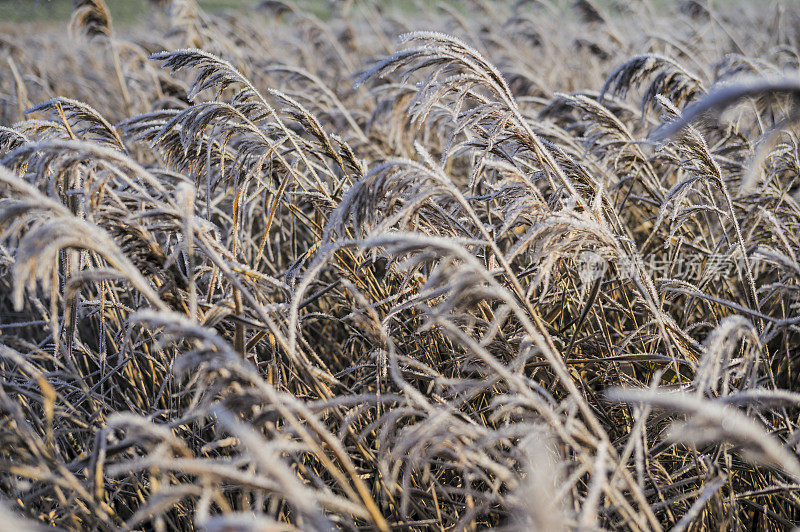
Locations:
(358, 265)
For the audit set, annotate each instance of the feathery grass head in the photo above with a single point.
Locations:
(91, 18)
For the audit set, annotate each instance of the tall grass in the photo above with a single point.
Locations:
(530, 266)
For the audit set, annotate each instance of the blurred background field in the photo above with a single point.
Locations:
(129, 12)
(125, 11)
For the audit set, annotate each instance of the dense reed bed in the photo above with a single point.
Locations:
(532, 265)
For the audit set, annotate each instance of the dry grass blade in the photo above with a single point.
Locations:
(729, 94)
(708, 422)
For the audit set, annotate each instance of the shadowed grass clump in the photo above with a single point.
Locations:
(518, 266)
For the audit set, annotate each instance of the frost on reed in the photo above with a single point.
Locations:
(532, 266)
